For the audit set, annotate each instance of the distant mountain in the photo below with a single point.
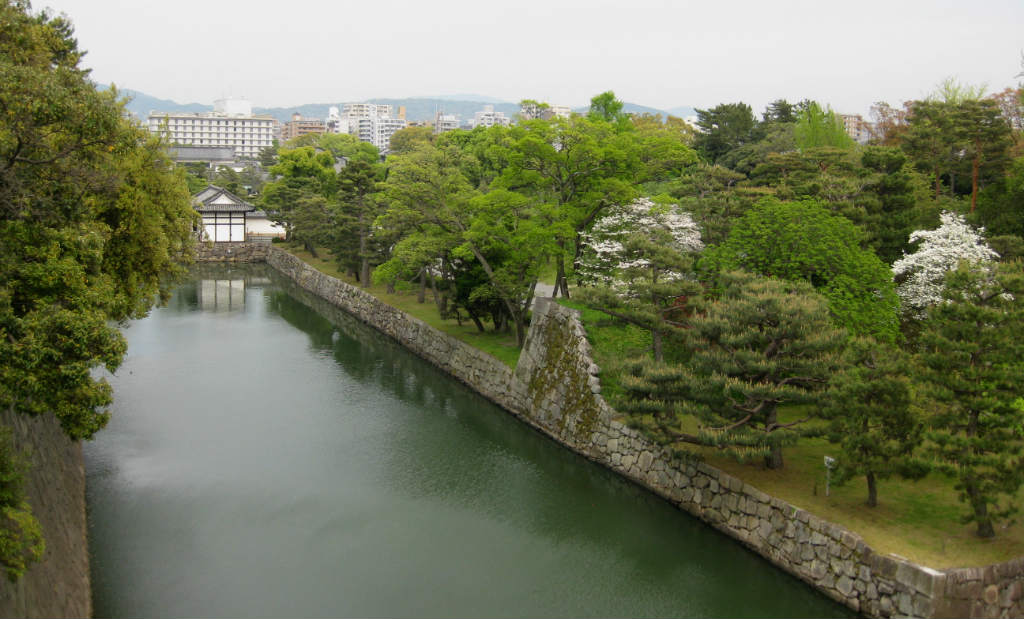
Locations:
(142, 104)
(682, 111)
(629, 108)
(416, 108)
(468, 97)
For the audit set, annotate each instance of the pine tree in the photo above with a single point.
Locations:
(971, 368)
(764, 343)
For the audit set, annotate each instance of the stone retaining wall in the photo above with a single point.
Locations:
(555, 388)
(248, 251)
(58, 585)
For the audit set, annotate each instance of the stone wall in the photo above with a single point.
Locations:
(248, 251)
(58, 585)
(555, 388)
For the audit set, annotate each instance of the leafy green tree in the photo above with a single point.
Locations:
(803, 241)
(405, 140)
(1001, 204)
(724, 127)
(609, 109)
(349, 148)
(574, 169)
(763, 344)
(358, 205)
(94, 223)
(970, 367)
(817, 127)
(21, 539)
(869, 403)
(300, 175)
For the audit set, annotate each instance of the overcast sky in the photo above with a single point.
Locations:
(658, 53)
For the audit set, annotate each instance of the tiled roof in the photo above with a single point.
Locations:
(216, 199)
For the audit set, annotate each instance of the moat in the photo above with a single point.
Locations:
(264, 461)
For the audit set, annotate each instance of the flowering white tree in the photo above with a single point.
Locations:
(615, 247)
(638, 255)
(941, 250)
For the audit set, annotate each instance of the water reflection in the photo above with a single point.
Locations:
(277, 460)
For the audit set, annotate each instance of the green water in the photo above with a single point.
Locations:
(265, 460)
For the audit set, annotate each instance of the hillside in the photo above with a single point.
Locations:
(416, 108)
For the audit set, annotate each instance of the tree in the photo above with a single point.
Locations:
(638, 257)
(970, 367)
(358, 205)
(405, 140)
(607, 108)
(816, 127)
(723, 128)
(94, 224)
(764, 343)
(803, 241)
(869, 403)
(574, 169)
(923, 272)
(1001, 204)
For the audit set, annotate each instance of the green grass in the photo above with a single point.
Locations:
(499, 345)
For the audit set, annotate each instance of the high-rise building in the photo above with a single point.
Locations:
(372, 123)
(445, 122)
(231, 124)
(301, 126)
(487, 117)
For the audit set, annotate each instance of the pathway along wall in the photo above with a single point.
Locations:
(58, 585)
(555, 388)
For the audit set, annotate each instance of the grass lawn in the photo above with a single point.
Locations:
(500, 345)
(916, 520)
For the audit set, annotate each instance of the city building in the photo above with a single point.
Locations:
(231, 124)
(487, 117)
(372, 123)
(298, 126)
(856, 127)
(445, 122)
(534, 110)
(336, 123)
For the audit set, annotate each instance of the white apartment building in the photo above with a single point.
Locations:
(489, 118)
(365, 110)
(445, 122)
(369, 122)
(231, 124)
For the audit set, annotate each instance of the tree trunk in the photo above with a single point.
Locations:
(561, 285)
(659, 356)
(980, 508)
(774, 458)
(872, 490)
(364, 270)
(421, 296)
(937, 183)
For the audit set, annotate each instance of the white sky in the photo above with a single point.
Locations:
(658, 53)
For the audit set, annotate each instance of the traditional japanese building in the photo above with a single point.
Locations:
(224, 214)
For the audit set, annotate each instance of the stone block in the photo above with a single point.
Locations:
(806, 552)
(921, 579)
(645, 460)
(818, 539)
(764, 511)
(817, 570)
(845, 585)
(871, 591)
(628, 460)
(904, 604)
(764, 529)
